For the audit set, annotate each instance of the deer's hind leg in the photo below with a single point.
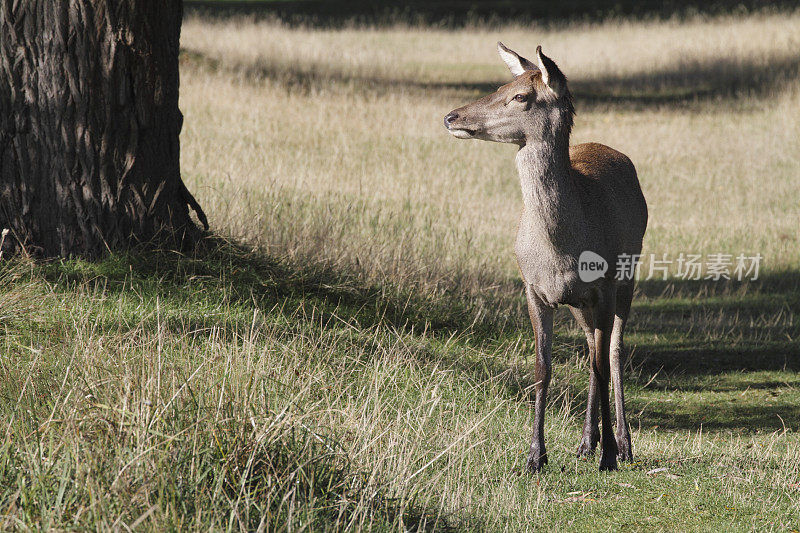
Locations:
(590, 435)
(617, 359)
(601, 366)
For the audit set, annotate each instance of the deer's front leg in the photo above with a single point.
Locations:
(591, 432)
(601, 366)
(542, 321)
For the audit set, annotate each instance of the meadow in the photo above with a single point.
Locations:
(350, 350)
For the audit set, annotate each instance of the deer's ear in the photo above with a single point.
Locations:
(551, 74)
(516, 63)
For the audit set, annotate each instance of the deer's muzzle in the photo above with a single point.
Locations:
(454, 129)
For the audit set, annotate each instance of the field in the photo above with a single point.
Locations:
(350, 349)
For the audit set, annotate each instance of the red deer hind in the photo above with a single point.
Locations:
(583, 209)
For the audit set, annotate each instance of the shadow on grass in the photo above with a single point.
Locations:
(719, 415)
(686, 336)
(308, 475)
(310, 467)
(682, 332)
(712, 327)
(722, 79)
(241, 277)
(455, 13)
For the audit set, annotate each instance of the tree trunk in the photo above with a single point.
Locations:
(89, 125)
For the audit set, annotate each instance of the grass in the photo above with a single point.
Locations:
(350, 352)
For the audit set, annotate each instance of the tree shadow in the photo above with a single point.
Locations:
(687, 337)
(713, 337)
(457, 14)
(242, 276)
(310, 465)
(681, 332)
(718, 415)
(712, 327)
(723, 80)
(312, 468)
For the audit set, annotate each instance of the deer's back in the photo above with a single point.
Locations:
(612, 198)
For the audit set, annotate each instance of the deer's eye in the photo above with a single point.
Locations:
(521, 97)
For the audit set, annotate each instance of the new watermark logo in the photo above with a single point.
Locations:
(591, 266)
(715, 267)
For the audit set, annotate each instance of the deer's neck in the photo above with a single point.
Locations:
(549, 192)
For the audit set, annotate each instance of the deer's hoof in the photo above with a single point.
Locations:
(608, 461)
(624, 448)
(536, 460)
(587, 446)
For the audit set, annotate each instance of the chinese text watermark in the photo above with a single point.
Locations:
(714, 266)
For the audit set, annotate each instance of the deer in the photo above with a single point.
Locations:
(579, 235)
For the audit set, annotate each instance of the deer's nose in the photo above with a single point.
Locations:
(449, 118)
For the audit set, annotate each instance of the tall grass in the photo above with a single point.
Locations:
(345, 126)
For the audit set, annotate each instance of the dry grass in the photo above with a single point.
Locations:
(612, 49)
(717, 167)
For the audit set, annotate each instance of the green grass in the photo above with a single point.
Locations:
(230, 390)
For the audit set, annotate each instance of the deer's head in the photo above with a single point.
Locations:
(535, 106)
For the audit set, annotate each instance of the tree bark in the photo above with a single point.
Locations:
(89, 126)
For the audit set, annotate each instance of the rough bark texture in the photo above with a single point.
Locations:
(89, 125)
